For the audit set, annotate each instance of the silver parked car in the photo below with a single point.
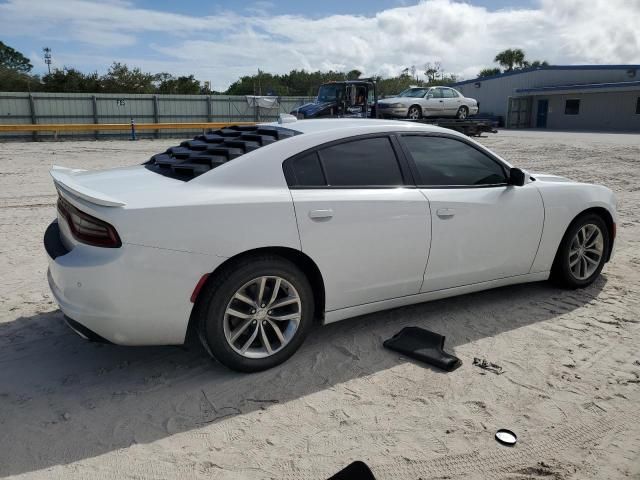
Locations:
(418, 102)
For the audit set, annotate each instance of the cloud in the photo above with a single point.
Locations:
(221, 47)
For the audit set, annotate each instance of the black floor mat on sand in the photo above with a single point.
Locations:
(423, 345)
(354, 471)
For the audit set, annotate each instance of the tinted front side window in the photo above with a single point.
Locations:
(444, 161)
(366, 162)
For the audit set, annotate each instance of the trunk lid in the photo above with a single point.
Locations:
(114, 187)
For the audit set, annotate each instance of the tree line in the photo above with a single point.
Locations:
(16, 76)
(303, 83)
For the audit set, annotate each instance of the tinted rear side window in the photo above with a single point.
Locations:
(308, 171)
(444, 161)
(361, 163)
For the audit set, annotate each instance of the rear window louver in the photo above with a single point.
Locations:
(210, 150)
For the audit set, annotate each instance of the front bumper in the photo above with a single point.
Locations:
(133, 295)
(393, 112)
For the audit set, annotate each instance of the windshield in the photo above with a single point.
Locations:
(414, 92)
(328, 93)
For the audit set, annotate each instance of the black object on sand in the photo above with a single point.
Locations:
(423, 345)
(354, 471)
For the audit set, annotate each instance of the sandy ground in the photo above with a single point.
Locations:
(71, 409)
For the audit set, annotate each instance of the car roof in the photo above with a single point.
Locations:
(209, 151)
(356, 126)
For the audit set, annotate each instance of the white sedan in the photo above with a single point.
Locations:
(247, 235)
(417, 102)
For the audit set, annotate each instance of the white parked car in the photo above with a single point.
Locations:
(248, 235)
(417, 102)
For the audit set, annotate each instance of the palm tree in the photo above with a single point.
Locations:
(510, 58)
(518, 57)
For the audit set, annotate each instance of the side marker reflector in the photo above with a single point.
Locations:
(199, 285)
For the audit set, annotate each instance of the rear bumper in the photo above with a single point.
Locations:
(132, 295)
(84, 332)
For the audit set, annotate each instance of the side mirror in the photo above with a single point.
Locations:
(517, 177)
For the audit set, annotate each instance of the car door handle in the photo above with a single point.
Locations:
(322, 213)
(445, 212)
(441, 101)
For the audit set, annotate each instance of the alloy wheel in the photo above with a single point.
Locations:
(585, 251)
(262, 317)
(414, 113)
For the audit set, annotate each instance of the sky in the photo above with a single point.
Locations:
(218, 41)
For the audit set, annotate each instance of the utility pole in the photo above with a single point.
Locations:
(47, 57)
(259, 85)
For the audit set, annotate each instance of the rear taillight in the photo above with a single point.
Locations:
(88, 229)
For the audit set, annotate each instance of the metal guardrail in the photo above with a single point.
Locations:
(96, 127)
(91, 127)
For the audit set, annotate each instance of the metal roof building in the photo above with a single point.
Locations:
(571, 97)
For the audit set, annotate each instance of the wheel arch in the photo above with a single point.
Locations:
(608, 220)
(297, 257)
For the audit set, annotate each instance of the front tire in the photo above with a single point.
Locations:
(256, 313)
(414, 113)
(582, 252)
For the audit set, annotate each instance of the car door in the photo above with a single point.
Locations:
(451, 101)
(367, 231)
(482, 228)
(433, 103)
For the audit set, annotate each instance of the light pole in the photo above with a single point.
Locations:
(47, 57)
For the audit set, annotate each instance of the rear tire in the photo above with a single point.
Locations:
(267, 341)
(582, 252)
(463, 113)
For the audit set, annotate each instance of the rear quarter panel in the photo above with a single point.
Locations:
(218, 220)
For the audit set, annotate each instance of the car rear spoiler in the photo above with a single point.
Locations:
(63, 180)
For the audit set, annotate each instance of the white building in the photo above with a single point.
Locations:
(571, 97)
